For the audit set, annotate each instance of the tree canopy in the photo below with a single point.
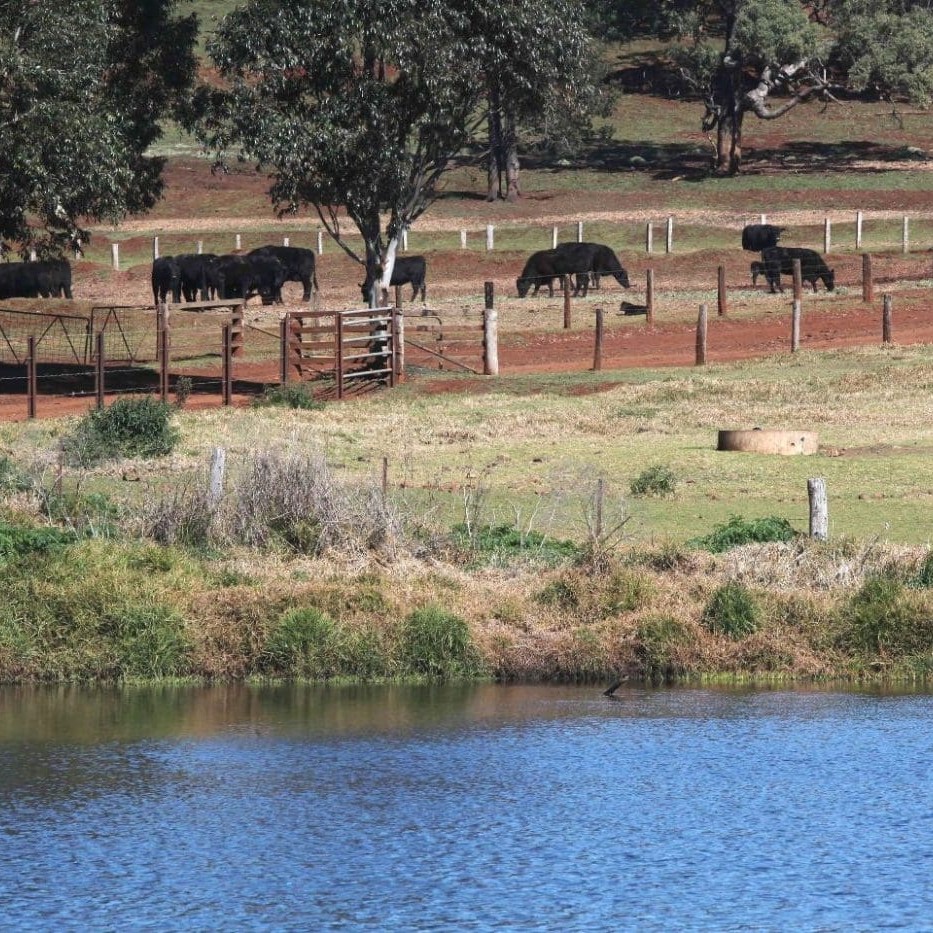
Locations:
(83, 85)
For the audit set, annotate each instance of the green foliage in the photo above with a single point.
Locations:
(659, 642)
(437, 644)
(923, 578)
(151, 642)
(12, 479)
(501, 544)
(732, 610)
(291, 395)
(885, 618)
(183, 389)
(130, 427)
(738, 531)
(92, 513)
(99, 76)
(596, 596)
(18, 542)
(658, 481)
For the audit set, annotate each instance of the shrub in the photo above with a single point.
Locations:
(884, 617)
(93, 513)
(658, 481)
(738, 531)
(12, 479)
(17, 542)
(500, 544)
(659, 641)
(151, 642)
(290, 395)
(130, 427)
(732, 610)
(437, 644)
(183, 389)
(923, 578)
(302, 644)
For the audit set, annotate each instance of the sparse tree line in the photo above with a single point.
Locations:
(357, 109)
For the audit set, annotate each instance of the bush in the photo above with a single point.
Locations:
(17, 542)
(500, 544)
(884, 618)
(923, 578)
(658, 481)
(290, 395)
(659, 642)
(437, 644)
(738, 531)
(304, 643)
(183, 389)
(12, 479)
(732, 610)
(130, 427)
(151, 642)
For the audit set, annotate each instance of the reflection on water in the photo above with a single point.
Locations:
(471, 806)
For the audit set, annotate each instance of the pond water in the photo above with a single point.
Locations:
(470, 807)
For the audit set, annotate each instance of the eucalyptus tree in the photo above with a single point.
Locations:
(541, 70)
(83, 86)
(356, 106)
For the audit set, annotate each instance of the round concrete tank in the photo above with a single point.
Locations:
(761, 441)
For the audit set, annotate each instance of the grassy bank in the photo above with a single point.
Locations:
(485, 555)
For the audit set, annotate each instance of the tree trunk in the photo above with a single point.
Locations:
(496, 161)
(512, 167)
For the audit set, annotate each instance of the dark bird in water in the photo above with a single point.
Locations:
(612, 690)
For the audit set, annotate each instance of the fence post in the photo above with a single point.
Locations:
(32, 389)
(490, 337)
(490, 237)
(338, 353)
(827, 235)
(284, 333)
(566, 282)
(859, 217)
(218, 469)
(165, 356)
(227, 377)
(155, 247)
(798, 280)
(795, 326)
(649, 297)
(886, 319)
(239, 241)
(404, 241)
(669, 236)
(115, 256)
(385, 477)
(764, 219)
(99, 370)
(554, 236)
(598, 346)
(463, 238)
(398, 296)
(649, 237)
(579, 231)
(285, 241)
(701, 336)
(320, 242)
(200, 247)
(721, 280)
(868, 286)
(236, 331)
(819, 509)
(398, 362)
(905, 236)
(33, 256)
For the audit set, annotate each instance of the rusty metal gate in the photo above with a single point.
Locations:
(445, 340)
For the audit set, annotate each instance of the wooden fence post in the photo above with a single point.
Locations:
(227, 372)
(598, 344)
(859, 219)
(165, 356)
(155, 247)
(566, 280)
(763, 219)
(721, 284)
(827, 235)
(868, 285)
(554, 236)
(200, 247)
(701, 336)
(905, 235)
(798, 280)
(115, 256)
(32, 387)
(819, 509)
(886, 319)
(398, 362)
(398, 296)
(490, 237)
(579, 231)
(99, 370)
(649, 297)
(669, 236)
(285, 241)
(649, 237)
(490, 340)
(284, 334)
(320, 242)
(236, 331)
(404, 241)
(239, 241)
(338, 353)
(463, 239)
(795, 326)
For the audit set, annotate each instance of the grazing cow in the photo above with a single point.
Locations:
(549, 264)
(166, 279)
(46, 279)
(757, 268)
(299, 265)
(245, 276)
(780, 259)
(407, 270)
(756, 237)
(595, 259)
(194, 276)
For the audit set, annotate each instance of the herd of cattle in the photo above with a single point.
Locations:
(264, 271)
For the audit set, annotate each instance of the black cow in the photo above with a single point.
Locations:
(46, 279)
(299, 264)
(780, 259)
(594, 259)
(757, 268)
(166, 279)
(245, 276)
(756, 237)
(408, 270)
(194, 272)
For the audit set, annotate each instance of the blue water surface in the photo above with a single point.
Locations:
(472, 807)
